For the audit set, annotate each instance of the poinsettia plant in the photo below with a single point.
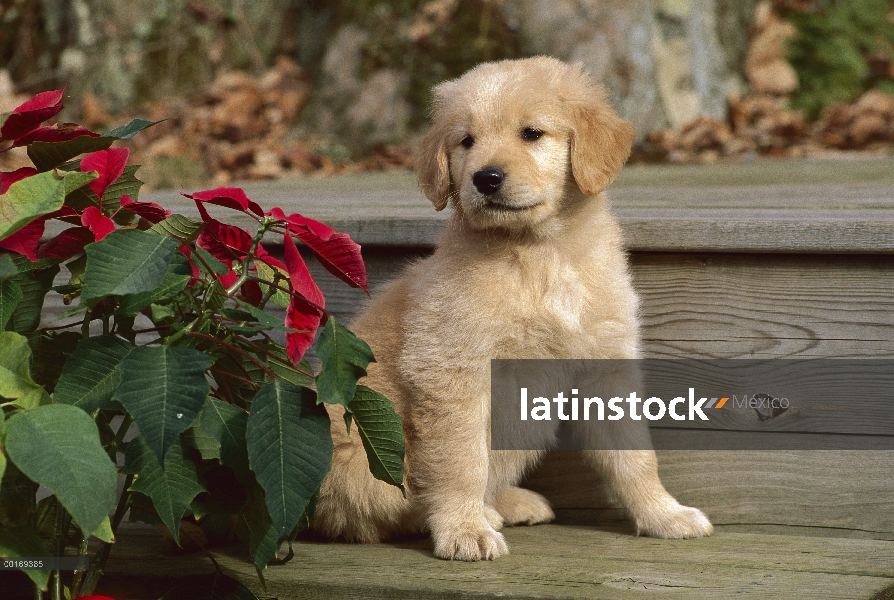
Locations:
(165, 371)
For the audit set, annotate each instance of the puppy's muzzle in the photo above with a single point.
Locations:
(488, 180)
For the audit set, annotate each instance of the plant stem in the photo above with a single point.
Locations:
(85, 326)
(272, 356)
(211, 338)
(99, 562)
(119, 438)
(266, 224)
(79, 575)
(60, 531)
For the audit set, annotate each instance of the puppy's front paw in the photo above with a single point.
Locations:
(469, 543)
(519, 506)
(672, 520)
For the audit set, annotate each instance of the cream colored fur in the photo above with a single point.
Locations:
(536, 270)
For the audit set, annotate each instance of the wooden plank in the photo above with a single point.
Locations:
(729, 306)
(846, 490)
(550, 561)
(795, 206)
(843, 170)
(725, 306)
(715, 305)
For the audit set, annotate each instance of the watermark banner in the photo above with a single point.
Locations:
(688, 404)
(45, 563)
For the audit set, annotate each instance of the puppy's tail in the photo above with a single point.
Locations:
(353, 505)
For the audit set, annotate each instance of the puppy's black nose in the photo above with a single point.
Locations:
(488, 181)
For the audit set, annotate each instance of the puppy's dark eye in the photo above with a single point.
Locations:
(468, 141)
(529, 134)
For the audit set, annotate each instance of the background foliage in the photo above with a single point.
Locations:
(843, 48)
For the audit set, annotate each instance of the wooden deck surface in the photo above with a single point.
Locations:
(763, 259)
(546, 561)
(792, 206)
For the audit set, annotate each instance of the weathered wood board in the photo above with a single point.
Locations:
(546, 561)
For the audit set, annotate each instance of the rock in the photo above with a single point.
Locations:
(877, 102)
(868, 127)
(765, 64)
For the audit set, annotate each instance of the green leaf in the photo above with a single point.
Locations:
(8, 267)
(215, 296)
(345, 358)
(2, 455)
(266, 320)
(279, 363)
(307, 515)
(76, 268)
(162, 312)
(58, 447)
(289, 449)
(196, 438)
(179, 227)
(289, 374)
(163, 388)
(382, 434)
(35, 196)
(263, 538)
(51, 350)
(10, 296)
(80, 198)
(230, 371)
(226, 424)
(25, 266)
(215, 265)
(34, 285)
(127, 261)
(125, 132)
(142, 511)
(127, 183)
(24, 542)
(49, 155)
(15, 373)
(91, 375)
(104, 531)
(171, 489)
(269, 273)
(175, 279)
(16, 494)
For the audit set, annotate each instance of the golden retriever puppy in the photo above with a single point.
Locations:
(530, 265)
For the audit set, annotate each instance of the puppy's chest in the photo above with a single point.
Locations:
(544, 305)
(561, 298)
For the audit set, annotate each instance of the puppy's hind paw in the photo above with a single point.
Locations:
(519, 506)
(470, 544)
(674, 521)
(493, 517)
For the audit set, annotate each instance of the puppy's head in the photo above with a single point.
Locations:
(509, 141)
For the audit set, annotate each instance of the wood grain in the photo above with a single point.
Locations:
(551, 561)
(792, 206)
(848, 490)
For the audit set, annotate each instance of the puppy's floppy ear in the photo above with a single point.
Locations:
(600, 144)
(433, 167)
